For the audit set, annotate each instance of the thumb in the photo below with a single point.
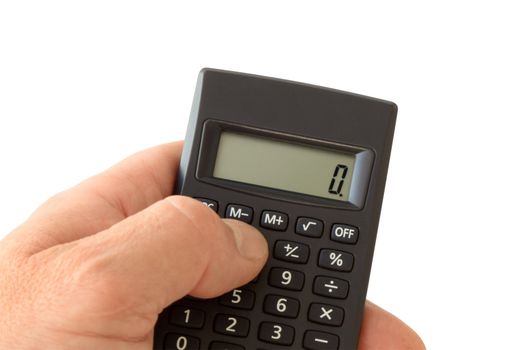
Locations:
(173, 248)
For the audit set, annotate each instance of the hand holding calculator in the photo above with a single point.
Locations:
(307, 166)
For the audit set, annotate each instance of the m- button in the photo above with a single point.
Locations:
(344, 233)
(239, 212)
(274, 220)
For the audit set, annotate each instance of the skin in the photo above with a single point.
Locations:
(94, 266)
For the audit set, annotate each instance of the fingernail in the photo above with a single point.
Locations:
(250, 242)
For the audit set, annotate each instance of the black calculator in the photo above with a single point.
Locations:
(307, 166)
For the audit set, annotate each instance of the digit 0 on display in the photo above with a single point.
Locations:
(307, 166)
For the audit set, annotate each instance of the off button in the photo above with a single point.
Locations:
(344, 233)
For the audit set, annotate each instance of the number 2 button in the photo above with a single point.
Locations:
(232, 325)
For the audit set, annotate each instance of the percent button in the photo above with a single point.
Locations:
(336, 260)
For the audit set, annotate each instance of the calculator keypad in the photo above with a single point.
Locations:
(276, 306)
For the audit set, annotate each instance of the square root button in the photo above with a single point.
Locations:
(344, 233)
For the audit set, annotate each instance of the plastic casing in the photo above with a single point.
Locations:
(306, 112)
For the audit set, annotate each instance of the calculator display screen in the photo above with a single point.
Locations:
(289, 166)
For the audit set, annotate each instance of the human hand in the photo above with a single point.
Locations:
(94, 266)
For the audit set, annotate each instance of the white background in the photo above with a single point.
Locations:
(84, 84)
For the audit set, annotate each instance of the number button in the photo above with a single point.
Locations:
(309, 227)
(281, 306)
(331, 287)
(181, 342)
(314, 340)
(232, 325)
(239, 299)
(291, 251)
(216, 345)
(276, 333)
(336, 260)
(187, 317)
(213, 205)
(286, 279)
(274, 220)
(326, 314)
(239, 212)
(344, 234)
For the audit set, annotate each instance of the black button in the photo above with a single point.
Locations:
(274, 220)
(179, 341)
(314, 340)
(218, 345)
(239, 212)
(232, 325)
(326, 314)
(187, 317)
(286, 279)
(344, 233)
(276, 333)
(309, 227)
(336, 260)
(238, 298)
(331, 287)
(281, 306)
(210, 203)
(291, 251)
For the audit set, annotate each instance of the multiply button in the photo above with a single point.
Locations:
(326, 314)
(274, 220)
(344, 233)
(239, 212)
(309, 227)
(336, 260)
(314, 340)
(291, 251)
(331, 287)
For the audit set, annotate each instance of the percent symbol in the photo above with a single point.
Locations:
(336, 259)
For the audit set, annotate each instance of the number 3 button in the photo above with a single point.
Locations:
(276, 333)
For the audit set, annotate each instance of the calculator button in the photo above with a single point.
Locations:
(276, 333)
(213, 205)
(291, 251)
(274, 220)
(286, 279)
(239, 299)
(179, 341)
(281, 306)
(336, 260)
(331, 287)
(187, 317)
(326, 314)
(309, 227)
(314, 340)
(344, 233)
(239, 212)
(232, 325)
(216, 345)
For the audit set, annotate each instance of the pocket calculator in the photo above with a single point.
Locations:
(307, 166)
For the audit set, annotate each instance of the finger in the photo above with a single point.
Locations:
(103, 200)
(382, 330)
(145, 262)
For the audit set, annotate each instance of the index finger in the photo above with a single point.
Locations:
(102, 200)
